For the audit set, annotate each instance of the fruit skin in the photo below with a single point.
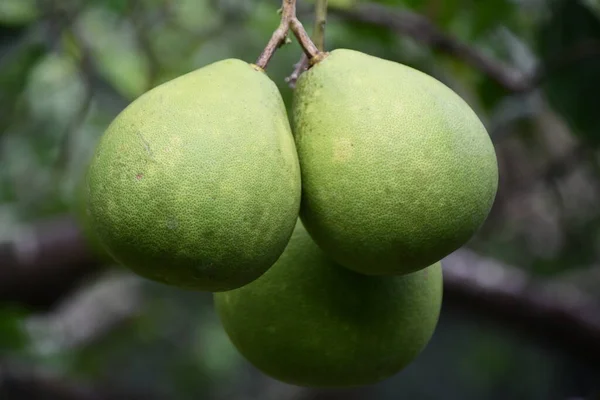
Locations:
(397, 170)
(311, 322)
(196, 184)
(80, 212)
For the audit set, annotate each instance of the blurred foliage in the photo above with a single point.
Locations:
(67, 67)
(572, 55)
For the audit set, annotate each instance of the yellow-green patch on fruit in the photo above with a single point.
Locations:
(197, 184)
(310, 322)
(397, 170)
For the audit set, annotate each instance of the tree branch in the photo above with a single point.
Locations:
(87, 315)
(553, 310)
(421, 29)
(53, 252)
(43, 261)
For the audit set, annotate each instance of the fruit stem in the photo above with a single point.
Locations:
(318, 38)
(289, 21)
(320, 22)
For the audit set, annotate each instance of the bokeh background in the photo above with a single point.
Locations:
(521, 314)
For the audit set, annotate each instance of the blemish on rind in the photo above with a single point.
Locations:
(172, 223)
(343, 149)
(146, 145)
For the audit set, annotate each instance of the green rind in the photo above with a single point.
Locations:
(310, 322)
(397, 169)
(81, 214)
(197, 184)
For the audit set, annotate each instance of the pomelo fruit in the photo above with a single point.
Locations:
(196, 184)
(310, 322)
(80, 212)
(397, 170)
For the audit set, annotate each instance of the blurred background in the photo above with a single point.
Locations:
(521, 314)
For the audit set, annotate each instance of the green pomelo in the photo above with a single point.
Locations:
(397, 169)
(81, 214)
(311, 322)
(196, 184)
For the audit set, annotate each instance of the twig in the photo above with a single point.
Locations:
(318, 38)
(299, 69)
(421, 29)
(306, 43)
(288, 22)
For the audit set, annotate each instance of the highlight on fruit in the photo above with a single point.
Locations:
(319, 233)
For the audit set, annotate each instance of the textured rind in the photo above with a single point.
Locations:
(397, 169)
(197, 184)
(81, 214)
(311, 322)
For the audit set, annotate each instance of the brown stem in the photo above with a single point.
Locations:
(307, 44)
(288, 22)
(299, 68)
(318, 38)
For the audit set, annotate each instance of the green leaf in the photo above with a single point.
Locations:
(568, 43)
(12, 335)
(55, 90)
(17, 12)
(116, 51)
(15, 69)
(117, 6)
(339, 4)
(492, 14)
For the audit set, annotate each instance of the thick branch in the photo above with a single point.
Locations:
(421, 29)
(43, 261)
(552, 310)
(557, 311)
(87, 315)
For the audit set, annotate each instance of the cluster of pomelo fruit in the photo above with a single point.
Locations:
(200, 184)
